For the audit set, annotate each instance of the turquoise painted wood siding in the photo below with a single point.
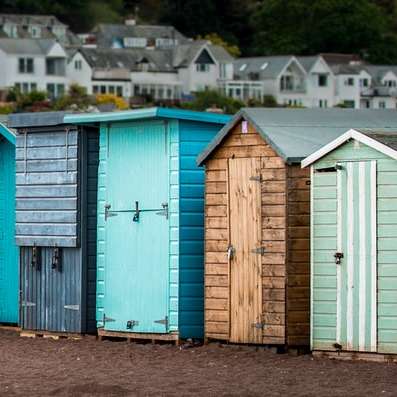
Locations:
(9, 273)
(194, 137)
(325, 243)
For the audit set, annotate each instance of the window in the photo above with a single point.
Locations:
(95, 89)
(390, 83)
(33, 87)
(60, 90)
(286, 83)
(322, 80)
(25, 65)
(349, 103)
(349, 81)
(169, 93)
(78, 64)
(264, 65)
(222, 71)
(103, 89)
(243, 67)
(25, 87)
(119, 90)
(364, 82)
(202, 67)
(35, 32)
(323, 103)
(111, 89)
(135, 42)
(382, 105)
(51, 90)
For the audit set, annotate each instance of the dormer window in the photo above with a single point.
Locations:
(243, 67)
(135, 42)
(264, 65)
(11, 30)
(35, 31)
(59, 31)
(322, 80)
(202, 67)
(143, 65)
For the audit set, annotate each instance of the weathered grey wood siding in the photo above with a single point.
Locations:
(47, 186)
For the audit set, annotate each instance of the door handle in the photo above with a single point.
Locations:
(230, 252)
(338, 257)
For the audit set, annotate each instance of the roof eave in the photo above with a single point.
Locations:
(7, 134)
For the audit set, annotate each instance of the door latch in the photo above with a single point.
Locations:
(231, 251)
(56, 259)
(36, 258)
(132, 323)
(259, 251)
(338, 257)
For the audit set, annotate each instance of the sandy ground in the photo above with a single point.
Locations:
(42, 367)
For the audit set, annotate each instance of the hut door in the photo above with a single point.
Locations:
(137, 242)
(356, 256)
(245, 251)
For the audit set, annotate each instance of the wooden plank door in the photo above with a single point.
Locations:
(245, 260)
(137, 252)
(357, 272)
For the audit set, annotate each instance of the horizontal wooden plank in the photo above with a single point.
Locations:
(216, 304)
(46, 139)
(273, 258)
(216, 316)
(216, 269)
(46, 216)
(299, 183)
(217, 234)
(274, 246)
(216, 210)
(40, 229)
(216, 336)
(274, 318)
(274, 210)
(216, 281)
(29, 241)
(272, 162)
(243, 151)
(299, 220)
(216, 187)
(217, 327)
(216, 257)
(216, 199)
(274, 330)
(273, 282)
(301, 317)
(46, 166)
(55, 152)
(273, 270)
(273, 187)
(274, 295)
(299, 268)
(47, 178)
(46, 204)
(278, 174)
(216, 222)
(299, 305)
(216, 176)
(216, 245)
(269, 340)
(302, 208)
(273, 198)
(273, 307)
(299, 257)
(273, 222)
(274, 234)
(244, 140)
(217, 292)
(296, 171)
(299, 196)
(299, 244)
(49, 191)
(296, 232)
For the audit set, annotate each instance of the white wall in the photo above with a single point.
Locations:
(345, 92)
(81, 77)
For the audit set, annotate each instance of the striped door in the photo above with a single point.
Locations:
(357, 272)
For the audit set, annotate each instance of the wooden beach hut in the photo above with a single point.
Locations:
(150, 221)
(56, 180)
(354, 242)
(257, 223)
(8, 250)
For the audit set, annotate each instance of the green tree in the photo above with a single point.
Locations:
(215, 39)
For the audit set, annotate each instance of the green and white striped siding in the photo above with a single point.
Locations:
(324, 245)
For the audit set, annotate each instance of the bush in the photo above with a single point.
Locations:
(119, 102)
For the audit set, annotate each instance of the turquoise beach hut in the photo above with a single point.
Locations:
(354, 242)
(8, 251)
(150, 220)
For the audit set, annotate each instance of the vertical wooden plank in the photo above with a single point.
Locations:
(245, 236)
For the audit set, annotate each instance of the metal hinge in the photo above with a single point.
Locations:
(259, 251)
(107, 319)
(258, 325)
(163, 321)
(28, 304)
(72, 307)
(108, 213)
(257, 178)
(132, 323)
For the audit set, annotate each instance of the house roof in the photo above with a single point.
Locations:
(346, 69)
(107, 33)
(147, 113)
(308, 61)
(38, 119)
(381, 139)
(26, 46)
(341, 59)
(6, 132)
(266, 67)
(296, 133)
(30, 19)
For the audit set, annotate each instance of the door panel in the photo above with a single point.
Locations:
(357, 273)
(137, 262)
(245, 237)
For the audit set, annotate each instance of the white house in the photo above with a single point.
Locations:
(33, 64)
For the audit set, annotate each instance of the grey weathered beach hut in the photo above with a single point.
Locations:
(56, 181)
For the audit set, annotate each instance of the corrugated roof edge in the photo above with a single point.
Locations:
(35, 119)
(7, 134)
(242, 114)
(84, 118)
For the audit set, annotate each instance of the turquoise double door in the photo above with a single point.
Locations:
(8, 250)
(356, 256)
(137, 229)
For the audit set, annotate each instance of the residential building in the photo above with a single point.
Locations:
(20, 26)
(33, 64)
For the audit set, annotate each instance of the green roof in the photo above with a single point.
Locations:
(296, 133)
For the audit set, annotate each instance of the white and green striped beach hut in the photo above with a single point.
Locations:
(354, 243)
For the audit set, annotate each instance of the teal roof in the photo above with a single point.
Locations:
(7, 133)
(296, 133)
(148, 113)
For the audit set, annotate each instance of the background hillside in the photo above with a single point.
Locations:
(265, 27)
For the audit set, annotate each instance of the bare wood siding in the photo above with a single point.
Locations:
(274, 215)
(298, 265)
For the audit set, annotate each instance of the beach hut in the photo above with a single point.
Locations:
(354, 242)
(56, 180)
(8, 250)
(150, 221)
(257, 269)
